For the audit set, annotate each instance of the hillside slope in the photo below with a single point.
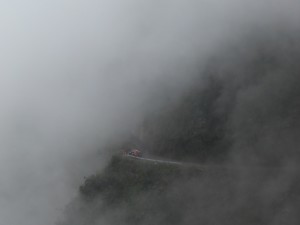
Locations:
(141, 190)
(242, 110)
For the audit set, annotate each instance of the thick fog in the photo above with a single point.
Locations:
(73, 73)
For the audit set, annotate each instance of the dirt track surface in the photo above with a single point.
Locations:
(156, 160)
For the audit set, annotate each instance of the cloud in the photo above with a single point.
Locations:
(74, 72)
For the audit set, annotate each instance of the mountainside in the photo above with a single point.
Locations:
(139, 189)
(241, 118)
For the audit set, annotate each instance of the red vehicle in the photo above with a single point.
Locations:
(135, 153)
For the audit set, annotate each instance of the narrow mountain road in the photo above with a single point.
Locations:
(156, 160)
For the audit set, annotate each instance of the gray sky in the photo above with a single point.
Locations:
(72, 72)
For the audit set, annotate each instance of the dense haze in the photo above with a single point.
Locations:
(74, 73)
(238, 122)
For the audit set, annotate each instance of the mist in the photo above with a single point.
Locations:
(75, 73)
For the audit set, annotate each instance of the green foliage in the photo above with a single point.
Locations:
(142, 188)
(126, 177)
